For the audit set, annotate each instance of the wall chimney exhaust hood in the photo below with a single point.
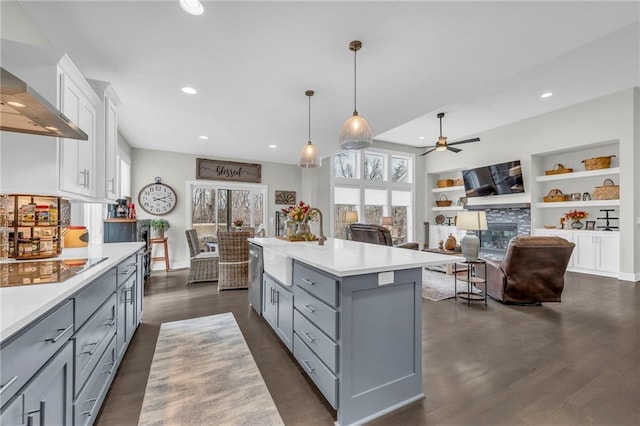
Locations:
(23, 110)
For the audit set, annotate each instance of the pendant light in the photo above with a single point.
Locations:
(356, 132)
(309, 156)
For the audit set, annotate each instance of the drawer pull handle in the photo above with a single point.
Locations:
(106, 372)
(111, 321)
(310, 369)
(62, 331)
(306, 281)
(93, 348)
(309, 308)
(30, 420)
(310, 339)
(39, 410)
(9, 383)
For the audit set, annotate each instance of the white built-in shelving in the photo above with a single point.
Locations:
(448, 189)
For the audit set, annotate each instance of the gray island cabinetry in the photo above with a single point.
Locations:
(356, 320)
(57, 366)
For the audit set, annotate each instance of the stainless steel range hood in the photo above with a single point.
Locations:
(23, 110)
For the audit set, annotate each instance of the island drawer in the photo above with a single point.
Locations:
(320, 285)
(87, 404)
(326, 382)
(29, 351)
(93, 296)
(126, 268)
(325, 348)
(319, 313)
(91, 340)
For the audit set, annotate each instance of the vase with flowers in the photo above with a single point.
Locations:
(575, 217)
(297, 215)
(238, 224)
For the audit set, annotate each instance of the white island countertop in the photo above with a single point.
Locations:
(19, 305)
(344, 258)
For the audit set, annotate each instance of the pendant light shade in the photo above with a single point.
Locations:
(356, 132)
(309, 156)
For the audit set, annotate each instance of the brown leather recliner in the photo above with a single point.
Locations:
(531, 272)
(375, 234)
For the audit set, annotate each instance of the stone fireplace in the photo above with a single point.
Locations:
(503, 224)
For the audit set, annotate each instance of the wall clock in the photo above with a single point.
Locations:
(157, 198)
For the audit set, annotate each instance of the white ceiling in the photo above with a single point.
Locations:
(483, 63)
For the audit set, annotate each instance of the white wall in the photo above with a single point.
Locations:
(176, 169)
(17, 26)
(611, 117)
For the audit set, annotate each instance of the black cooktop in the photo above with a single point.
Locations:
(13, 274)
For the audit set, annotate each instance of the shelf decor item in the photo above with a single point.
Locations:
(471, 221)
(575, 217)
(597, 163)
(608, 191)
(458, 182)
(445, 183)
(298, 215)
(558, 169)
(443, 201)
(554, 196)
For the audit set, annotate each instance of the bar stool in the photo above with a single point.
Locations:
(165, 256)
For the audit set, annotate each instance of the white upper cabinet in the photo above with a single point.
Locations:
(107, 138)
(78, 101)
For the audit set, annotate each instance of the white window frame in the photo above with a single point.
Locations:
(389, 186)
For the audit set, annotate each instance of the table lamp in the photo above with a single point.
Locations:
(471, 221)
(349, 218)
(387, 221)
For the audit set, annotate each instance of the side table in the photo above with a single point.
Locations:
(471, 279)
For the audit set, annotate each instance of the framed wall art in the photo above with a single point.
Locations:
(228, 171)
(285, 197)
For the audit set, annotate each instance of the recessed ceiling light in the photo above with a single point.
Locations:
(546, 95)
(204, 137)
(193, 7)
(16, 104)
(421, 137)
(189, 90)
(273, 146)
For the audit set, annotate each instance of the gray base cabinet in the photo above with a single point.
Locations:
(58, 370)
(278, 309)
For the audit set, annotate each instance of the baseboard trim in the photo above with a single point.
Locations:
(633, 277)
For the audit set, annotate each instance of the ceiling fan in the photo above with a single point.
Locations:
(442, 145)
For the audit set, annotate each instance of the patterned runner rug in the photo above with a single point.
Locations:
(438, 286)
(202, 373)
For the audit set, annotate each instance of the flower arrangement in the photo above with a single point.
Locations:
(576, 215)
(297, 212)
(238, 223)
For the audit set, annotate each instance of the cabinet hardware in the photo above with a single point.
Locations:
(62, 331)
(309, 308)
(112, 181)
(110, 321)
(306, 281)
(88, 184)
(93, 348)
(106, 372)
(39, 410)
(9, 383)
(277, 296)
(30, 420)
(309, 368)
(309, 338)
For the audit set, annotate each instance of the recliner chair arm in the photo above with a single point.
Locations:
(496, 279)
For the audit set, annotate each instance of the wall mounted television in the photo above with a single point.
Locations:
(496, 179)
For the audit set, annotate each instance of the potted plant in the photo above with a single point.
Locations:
(159, 226)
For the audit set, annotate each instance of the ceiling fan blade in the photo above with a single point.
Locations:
(456, 150)
(464, 141)
(425, 153)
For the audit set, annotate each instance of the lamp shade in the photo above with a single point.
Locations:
(309, 156)
(350, 217)
(356, 133)
(472, 220)
(387, 221)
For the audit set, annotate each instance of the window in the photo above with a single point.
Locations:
(385, 189)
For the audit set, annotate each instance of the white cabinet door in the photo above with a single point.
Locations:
(584, 256)
(86, 150)
(607, 252)
(71, 179)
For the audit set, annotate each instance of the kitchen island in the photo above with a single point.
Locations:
(351, 314)
(62, 341)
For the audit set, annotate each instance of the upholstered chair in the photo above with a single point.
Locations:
(233, 250)
(203, 265)
(375, 234)
(531, 272)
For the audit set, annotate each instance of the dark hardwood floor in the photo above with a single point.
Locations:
(570, 363)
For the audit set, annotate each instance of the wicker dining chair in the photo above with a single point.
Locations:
(233, 250)
(204, 265)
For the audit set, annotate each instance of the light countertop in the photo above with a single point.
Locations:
(343, 258)
(22, 304)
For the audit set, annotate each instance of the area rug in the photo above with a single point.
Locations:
(202, 373)
(438, 286)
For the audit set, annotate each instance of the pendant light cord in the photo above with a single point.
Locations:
(309, 119)
(355, 81)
